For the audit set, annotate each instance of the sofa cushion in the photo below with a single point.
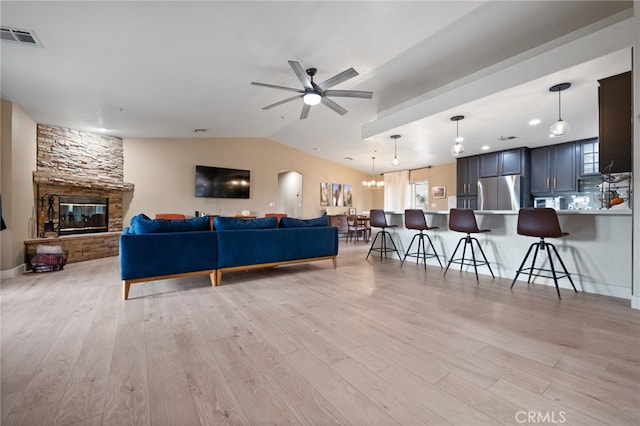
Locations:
(289, 222)
(152, 226)
(232, 223)
(139, 217)
(157, 255)
(263, 246)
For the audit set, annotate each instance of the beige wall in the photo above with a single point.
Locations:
(443, 175)
(163, 172)
(18, 201)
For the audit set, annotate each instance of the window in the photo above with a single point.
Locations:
(420, 195)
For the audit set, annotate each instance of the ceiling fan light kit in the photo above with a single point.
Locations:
(560, 127)
(457, 149)
(313, 94)
(311, 98)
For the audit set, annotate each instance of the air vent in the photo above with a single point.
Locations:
(24, 37)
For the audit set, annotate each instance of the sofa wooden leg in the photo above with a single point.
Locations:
(125, 289)
(213, 277)
(218, 277)
(335, 262)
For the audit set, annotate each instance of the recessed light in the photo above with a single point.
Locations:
(535, 122)
(485, 147)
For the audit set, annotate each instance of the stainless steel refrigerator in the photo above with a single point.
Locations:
(499, 193)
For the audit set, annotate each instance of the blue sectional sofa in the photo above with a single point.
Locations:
(158, 249)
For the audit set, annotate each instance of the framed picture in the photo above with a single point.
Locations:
(352, 211)
(438, 191)
(336, 190)
(325, 194)
(347, 195)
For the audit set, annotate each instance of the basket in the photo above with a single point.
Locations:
(48, 262)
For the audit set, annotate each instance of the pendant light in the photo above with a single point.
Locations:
(560, 127)
(457, 149)
(395, 161)
(373, 183)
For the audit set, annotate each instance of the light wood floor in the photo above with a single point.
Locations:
(368, 343)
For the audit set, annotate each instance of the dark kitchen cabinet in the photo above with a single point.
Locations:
(553, 168)
(490, 164)
(503, 163)
(467, 182)
(512, 161)
(467, 176)
(615, 122)
(467, 202)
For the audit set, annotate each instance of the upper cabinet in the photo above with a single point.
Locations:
(553, 168)
(588, 157)
(511, 162)
(467, 175)
(467, 182)
(615, 121)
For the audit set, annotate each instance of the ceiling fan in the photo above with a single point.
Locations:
(313, 93)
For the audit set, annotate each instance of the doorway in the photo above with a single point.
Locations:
(290, 193)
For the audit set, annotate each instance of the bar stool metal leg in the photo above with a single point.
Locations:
(486, 262)
(452, 256)
(566, 273)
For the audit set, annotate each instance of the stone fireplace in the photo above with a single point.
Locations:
(74, 170)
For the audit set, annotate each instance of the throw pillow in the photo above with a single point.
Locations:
(232, 223)
(139, 217)
(290, 222)
(151, 226)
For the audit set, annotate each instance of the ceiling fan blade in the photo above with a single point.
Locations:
(334, 106)
(305, 111)
(272, 86)
(338, 78)
(349, 93)
(302, 75)
(283, 102)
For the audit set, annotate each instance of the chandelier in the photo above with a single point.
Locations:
(373, 183)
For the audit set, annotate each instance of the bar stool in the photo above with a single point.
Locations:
(378, 219)
(414, 219)
(464, 220)
(542, 223)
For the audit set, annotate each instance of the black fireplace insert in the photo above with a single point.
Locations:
(81, 215)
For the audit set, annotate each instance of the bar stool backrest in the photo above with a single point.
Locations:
(463, 220)
(378, 219)
(541, 222)
(414, 219)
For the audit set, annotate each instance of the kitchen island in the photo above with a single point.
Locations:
(597, 252)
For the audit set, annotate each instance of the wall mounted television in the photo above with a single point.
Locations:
(218, 182)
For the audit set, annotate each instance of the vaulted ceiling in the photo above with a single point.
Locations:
(163, 69)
